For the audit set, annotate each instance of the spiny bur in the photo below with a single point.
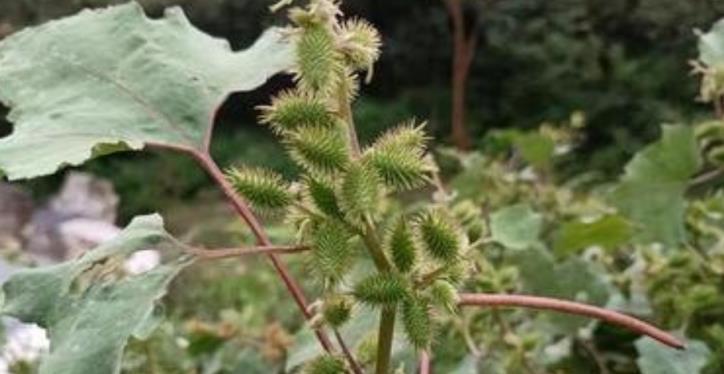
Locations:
(263, 189)
(444, 294)
(319, 63)
(417, 322)
(291, 110)
(325, 364)
(381, 289)
(322, 197)
(359, 191)
(319, 149)
(439, 236)
(400, 244)
(337, 309)
(360, 43)
(331, 250)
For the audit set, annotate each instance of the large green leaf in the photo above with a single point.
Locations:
(574, 279)
(113, 79)
(655, 358)
(651, 192)
(711, 45)
(91, 306)
(516, 226)
(608, 232)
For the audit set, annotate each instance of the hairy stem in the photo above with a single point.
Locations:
(262, 238)
(546, 303)
(384, 339)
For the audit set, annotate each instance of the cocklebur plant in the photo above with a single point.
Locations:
(136, 83)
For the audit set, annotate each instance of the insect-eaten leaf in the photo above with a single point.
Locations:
(91, 306)
(118, 78)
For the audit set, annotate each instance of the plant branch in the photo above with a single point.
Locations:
(384, 339)
(545, 303)
(242, 209)
(354, 365)
(424, 362)
(215, 254)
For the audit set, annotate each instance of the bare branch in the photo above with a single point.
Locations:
(546, 303)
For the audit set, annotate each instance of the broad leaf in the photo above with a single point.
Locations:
(574, 279)
(655, 358)
(516, 227)
(90, 306)
(711, 45)
(608, 232)
(651, 192)
(112, 79)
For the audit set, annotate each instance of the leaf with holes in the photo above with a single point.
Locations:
(112, 79)
(91, 306)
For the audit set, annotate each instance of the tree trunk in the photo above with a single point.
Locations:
(463, 53)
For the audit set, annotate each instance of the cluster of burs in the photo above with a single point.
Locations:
(345, 203)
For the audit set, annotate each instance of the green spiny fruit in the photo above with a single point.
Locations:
(323, 198)
(417, 321)
(443, 293)
(381, 289)
(401, 246)
(407, 136)
(264, 189)
(337, 310)
(439, 236)
(291, 110)
(318, 61)
(400, 168)
(318, 149)
(359, 191)
(332, 251)
(360, 43)
(325, 364)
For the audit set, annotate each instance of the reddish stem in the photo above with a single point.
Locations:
(356, 369)
(564, 306)
(261, 236)
(215, 254)
(424, 362)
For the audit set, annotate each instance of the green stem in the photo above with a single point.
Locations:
(372, 242)
(384, 339)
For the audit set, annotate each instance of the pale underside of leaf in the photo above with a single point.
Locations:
(113, 79)
(89, 306)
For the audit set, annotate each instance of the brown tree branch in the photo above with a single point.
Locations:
(546, 303)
